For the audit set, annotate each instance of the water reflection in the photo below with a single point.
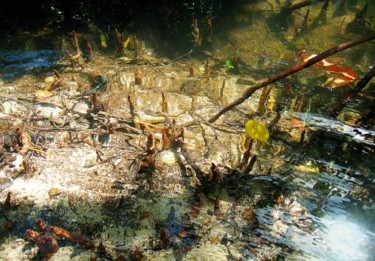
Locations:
(15, 64)
(317, 221)
(342, 239)
(333, 237)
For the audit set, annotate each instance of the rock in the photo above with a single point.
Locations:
(81, 107)
(47, 111)
(208, 252)
(17, 162)
(5, 183)
(14, 108)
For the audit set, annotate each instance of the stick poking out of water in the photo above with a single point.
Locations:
(296, 68)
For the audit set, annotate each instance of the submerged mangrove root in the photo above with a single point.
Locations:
(360, 85)
(57, 83)
(303, 27)
(367, 117)
(164, 103)
(77, 58)
(322, 17)
(336, 111)
(197, 37)
(296, 68)
(24, 144)
(358, 22)
(299, 5)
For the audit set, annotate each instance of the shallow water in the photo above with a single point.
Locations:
(318, 208)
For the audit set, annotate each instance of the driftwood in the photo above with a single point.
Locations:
(296, 68)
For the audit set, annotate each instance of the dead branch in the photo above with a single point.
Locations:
(296, 68)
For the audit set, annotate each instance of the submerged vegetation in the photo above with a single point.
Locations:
(136, 136)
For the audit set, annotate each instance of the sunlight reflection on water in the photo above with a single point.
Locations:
(335, 239)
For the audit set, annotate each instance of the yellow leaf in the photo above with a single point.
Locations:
(308, 167)
(257, 130)
(126, 43)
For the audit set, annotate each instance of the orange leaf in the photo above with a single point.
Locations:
(182, 234)
(61, 233)
(347, 76)
(297, 123)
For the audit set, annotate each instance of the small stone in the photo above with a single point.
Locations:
(54, 192)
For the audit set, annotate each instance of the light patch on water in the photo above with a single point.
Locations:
(356, 133)
(335, 239)
(347, 240)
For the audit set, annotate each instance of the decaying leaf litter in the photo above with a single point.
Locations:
(128, 160)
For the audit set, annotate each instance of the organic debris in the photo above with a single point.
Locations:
(178, 235)
(217, 210)
(196, 204)
(46, 244)
(24, 144)
(73, 237)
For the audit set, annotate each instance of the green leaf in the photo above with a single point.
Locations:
(103, 40)
(257, 130)
(228, 64)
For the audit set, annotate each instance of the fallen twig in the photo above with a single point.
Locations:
(296, 68)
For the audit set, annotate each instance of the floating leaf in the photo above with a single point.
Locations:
(347, 76)
(257, 130)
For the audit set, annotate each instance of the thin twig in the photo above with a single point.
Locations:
(296, 68)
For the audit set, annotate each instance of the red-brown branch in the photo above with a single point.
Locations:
(296, 68)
